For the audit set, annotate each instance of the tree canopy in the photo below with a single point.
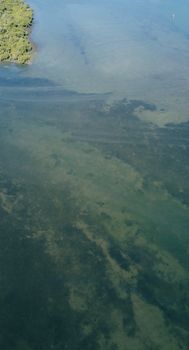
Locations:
(15, 20)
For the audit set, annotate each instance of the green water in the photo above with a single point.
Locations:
(94, 181)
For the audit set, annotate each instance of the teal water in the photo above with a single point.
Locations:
(94, 180)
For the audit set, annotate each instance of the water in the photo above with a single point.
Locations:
(94, 180)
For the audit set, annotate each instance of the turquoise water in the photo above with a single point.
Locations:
(94, 180)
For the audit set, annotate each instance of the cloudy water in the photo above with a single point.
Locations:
(94, 179)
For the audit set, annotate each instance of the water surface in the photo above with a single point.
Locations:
(94, 180)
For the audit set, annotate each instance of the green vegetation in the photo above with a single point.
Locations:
(15, 19)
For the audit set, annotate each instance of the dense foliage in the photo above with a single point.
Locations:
(15, 20)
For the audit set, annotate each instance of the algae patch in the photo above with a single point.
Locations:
(16, 18)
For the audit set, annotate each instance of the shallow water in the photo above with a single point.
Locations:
(94, 180)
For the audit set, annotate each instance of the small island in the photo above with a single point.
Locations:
(16, 18)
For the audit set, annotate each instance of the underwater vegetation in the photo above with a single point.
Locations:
(93, 241)
(15, 20)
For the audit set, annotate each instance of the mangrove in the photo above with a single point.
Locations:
(16, 18)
